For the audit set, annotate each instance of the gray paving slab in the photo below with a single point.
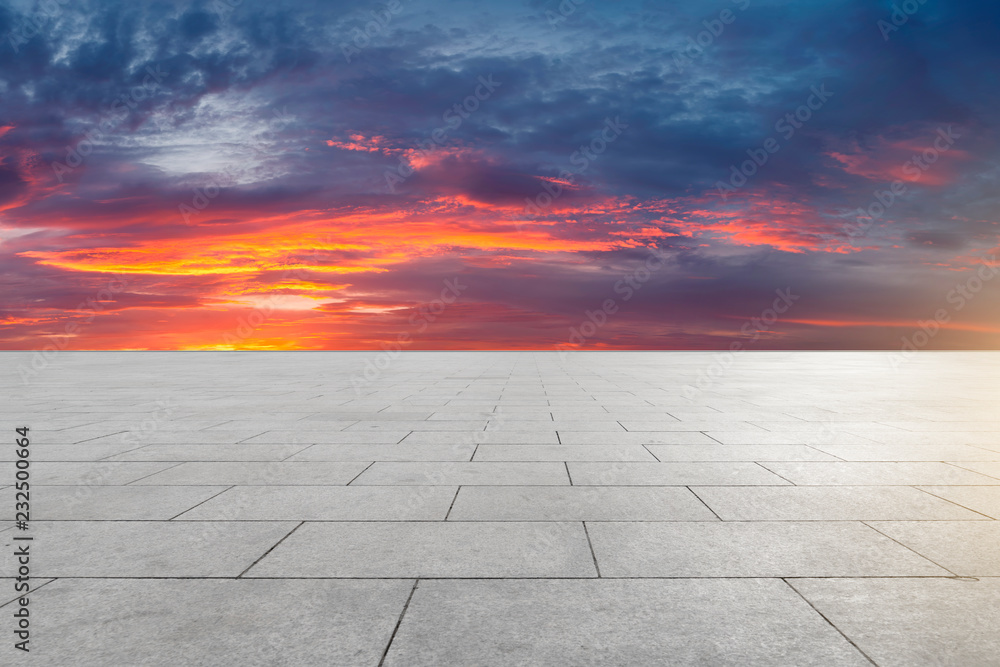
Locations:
(877, 473)
(277, 425)
(578, 503)
(752, 549)
(400, 452)
(786, 438)
(241, 452)
(965, 548)
(927, 426)
(146, 548)
(299, 435)
(459, 473)
(326, 503)
(990, 468)
(85, 472)
(738, 453)
(437, 549)
(977, 438)
(257, 473)
(167, 437)
(641, 438)
(170, 622)
(984, 499)
(909, 452)
(563, 453)
(703, 424)
(830, 503)
(671, 473)
(110, 503)
(545, 436)
(913, 622)
(417, 425)
(615, 622)
(383, 415)
(80, 452)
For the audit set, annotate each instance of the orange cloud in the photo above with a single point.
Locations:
(928, 157)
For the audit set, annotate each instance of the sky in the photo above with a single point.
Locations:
(525, 174)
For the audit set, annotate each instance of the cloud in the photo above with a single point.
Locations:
(257, 165)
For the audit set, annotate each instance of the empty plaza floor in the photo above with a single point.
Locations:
(505, 508)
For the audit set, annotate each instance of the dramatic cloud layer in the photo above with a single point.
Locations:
(630, 174)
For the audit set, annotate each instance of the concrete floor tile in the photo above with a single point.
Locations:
(498, 436)
(984, 499)
(578, 503)
(754, 549)
(298, 435)
(975, 438)
(990, 468)
(909, 452)
(400, 452)
(786, 438)
(830, 503)
(738, 453)
(876, 473)
(110, 503)
(615, 622)
(146, 548)
(460, 473)
(242, 452)
(199, 437)
(164, 623)
(85, 473)
(355, 416)
(670, 474)
(703, 424)
(641, 438)
(257, 473)
(277, 425)
(913, 622)
(564, 453)
(421, 425)
(966, 548)
(326, 503)
(80, 452)
(951, 426)
(432, 549)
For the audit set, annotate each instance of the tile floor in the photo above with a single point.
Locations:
(506, 508)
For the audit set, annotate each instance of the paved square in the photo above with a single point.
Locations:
(505, 508)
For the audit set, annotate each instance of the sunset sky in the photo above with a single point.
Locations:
(482, 175)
